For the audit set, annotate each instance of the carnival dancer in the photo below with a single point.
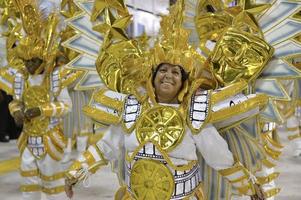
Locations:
(39, 103)
(160, 136)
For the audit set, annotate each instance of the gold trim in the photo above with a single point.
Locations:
(272, 153)
(268, 163)
(293, 137)
(100, 116)
(11, 165)
(54, 139)
(123, 194)
(107, 101)
(10, 79)
(267, 179)
(232, 170)
(14, 106)
(189, 166)
(54, 177)
(99, 153)
(90, 160)
(229, 91)
(71, 79)
(48, 149)
(94, 138)
(22, 142)
(54, 190)
(271, 140)
(260, 100)
(76, 165)
(30, 173)
(7, 89)
(293, 128)
(244, 190)
(239, 179)
(30, 188)
(272, 192)
(55, 145)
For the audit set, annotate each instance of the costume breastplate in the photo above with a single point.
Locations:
(162, 125)
(149, 176)
(35, 96)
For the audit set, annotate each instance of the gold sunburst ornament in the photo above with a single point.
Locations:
(162, 125)
(151, 180)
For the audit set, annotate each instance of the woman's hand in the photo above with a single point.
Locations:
(68, 188)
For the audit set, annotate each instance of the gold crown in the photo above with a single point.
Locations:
(173, 46)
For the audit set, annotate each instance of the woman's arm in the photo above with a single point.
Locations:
(217, 155)
(105, 150)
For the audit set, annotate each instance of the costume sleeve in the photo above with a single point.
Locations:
(216, 153)
(105, 150)
(58, 108)
(213, 148)
(15, 106)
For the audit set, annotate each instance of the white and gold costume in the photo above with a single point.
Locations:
(41, 143)
(156, 154)
(155, 136)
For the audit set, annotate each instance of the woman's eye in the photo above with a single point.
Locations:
(176, 72)
(162, 70)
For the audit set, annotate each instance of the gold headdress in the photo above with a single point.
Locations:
(173, 46)
(127, 68)
(240, 51)
(41, 36)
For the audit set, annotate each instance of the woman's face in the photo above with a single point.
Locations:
(167, 83)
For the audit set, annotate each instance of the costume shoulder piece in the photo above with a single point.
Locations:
(199, 110)
(230, 106)
(7, 79)
(131, 112)
(224, 107)
(105, 107)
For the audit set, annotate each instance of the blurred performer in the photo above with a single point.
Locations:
(39, 104)
(292, 113)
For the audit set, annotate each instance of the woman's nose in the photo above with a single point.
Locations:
(168, 74)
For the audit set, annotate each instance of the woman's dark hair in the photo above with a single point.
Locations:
(183, 73)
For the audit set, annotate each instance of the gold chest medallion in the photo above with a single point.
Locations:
(151, 180)
(35, 96)
(162, 125)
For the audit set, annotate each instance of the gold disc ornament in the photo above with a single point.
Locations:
(36, 96)
(162, 125)
(151, 180)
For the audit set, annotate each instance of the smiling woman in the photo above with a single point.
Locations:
(160, 139)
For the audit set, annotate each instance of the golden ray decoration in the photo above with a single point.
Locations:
(113, 27)
(251, 7)
(101, 5)
(69, 8)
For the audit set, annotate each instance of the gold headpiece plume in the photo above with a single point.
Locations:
(41, 39)
(173, 46)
